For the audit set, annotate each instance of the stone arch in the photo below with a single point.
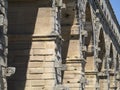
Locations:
(101, 45)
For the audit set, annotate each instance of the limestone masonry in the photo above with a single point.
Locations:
(59, 45)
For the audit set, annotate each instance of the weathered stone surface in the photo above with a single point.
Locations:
(34, 51)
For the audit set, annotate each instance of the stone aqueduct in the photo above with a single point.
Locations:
(59, 45)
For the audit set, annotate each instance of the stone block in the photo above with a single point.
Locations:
(36, 58)
(35, 64)
(44, 23)
(36, 70)
(73, 45)
(43, 51)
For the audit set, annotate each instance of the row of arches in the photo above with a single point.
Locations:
(100, 46)
(102, 41)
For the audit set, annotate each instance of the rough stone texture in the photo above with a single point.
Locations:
(90, 55)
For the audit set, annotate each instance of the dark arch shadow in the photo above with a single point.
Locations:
(111, 64)
(101, 53)
(88, 27)
(117, 63)
(21, 19)
(67, 20)
(88, 13)
(68, 15)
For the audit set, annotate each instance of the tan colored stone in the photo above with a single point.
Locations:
(43, 51)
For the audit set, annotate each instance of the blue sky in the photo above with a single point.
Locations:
(116, 7)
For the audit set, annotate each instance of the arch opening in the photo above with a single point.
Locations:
(111, 63)
(88, 13)
(88, 41)
(101, 45)
(88, 27)
(117, 63)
